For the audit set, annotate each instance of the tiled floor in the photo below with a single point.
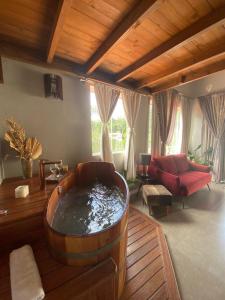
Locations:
(196, 238)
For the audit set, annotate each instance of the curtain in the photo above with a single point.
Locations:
(186, 108)
(207, 140)
(155, 138)
(213, 109)
(131, 104)
(166, 103)
(106, 99)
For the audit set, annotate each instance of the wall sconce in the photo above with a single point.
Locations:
(53, 86)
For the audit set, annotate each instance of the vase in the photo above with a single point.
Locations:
(27, 167)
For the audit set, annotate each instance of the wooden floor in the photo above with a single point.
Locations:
(150, 273)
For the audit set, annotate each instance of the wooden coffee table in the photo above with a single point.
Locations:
(156, 197)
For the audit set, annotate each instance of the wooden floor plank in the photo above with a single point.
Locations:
(139, 234)
(137, 228)
(142, 277)
(137, 221)
(150, 273)
(150, 286)
(132, 218)
(160, 294)
(142, 263)
(142, 251)
(140, 242)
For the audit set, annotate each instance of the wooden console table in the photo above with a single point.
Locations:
(24, 225)
(24, 220)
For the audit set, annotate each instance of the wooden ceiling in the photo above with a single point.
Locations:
(146, 45)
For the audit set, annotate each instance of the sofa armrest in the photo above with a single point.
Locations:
(170, 181)
(153, 170)
(198, 167)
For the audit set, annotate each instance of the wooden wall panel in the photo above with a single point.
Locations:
(27, 21)
(57, 28)
(87, 26)
(158, 26)
(194, 73)
(188, 54)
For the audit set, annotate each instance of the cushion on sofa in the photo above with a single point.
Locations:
(166, 163)
(182, 163)
(192, 181)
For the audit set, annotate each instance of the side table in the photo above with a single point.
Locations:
(156, 196)
(144, 179)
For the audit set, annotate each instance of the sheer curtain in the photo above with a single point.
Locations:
(213, 109)
(106, 99)
(131, 104)
(155, 138)
(186, 108)
(207, 140)
(166, 103)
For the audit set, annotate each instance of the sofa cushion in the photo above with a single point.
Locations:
(166, 163)
(193, 181)
(182, 163)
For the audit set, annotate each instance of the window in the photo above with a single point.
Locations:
(175, 146)
(150, 127)
(117, 126)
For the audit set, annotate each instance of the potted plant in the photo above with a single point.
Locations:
(28, 147)
(206, 159)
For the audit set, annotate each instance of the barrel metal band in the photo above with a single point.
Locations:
(89, 254)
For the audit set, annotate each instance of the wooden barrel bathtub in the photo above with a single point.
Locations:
(90, 249)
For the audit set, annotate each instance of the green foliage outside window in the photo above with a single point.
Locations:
(96, 128)
(117, 127)
(117, 132)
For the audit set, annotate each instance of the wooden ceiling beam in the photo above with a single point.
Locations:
(62, 11)
(36, 57)
(1, 71)
(120, 32)
(206, 56)
(182, 37)
(190, 76)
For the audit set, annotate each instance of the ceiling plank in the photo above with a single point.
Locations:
(190, 76)
(36, 57)
(206, 56)
(182, 37)
(120, 32)
(62, 11)
(1, 71)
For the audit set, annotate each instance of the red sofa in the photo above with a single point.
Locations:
(178, 174)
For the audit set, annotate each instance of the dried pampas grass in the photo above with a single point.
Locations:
(28, 148)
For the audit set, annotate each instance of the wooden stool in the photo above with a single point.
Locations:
(156, 196)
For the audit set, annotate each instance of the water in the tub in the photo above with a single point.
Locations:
(88, 210)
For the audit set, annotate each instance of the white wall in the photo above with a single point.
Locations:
(62, 127)
(204, 86)
(197, 88)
